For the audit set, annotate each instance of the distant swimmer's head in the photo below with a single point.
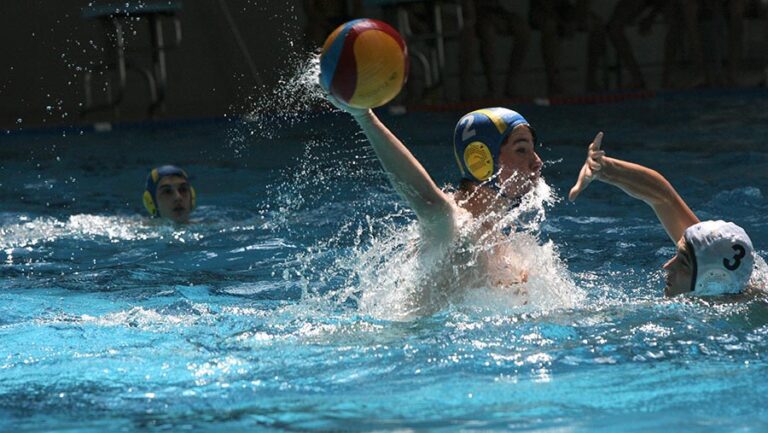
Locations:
(169, 194)
(713, 258)
(497, 145)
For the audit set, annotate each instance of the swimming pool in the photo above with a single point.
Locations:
(272, 313)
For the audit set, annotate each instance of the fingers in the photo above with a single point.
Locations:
(594, 164)
(585, 177)
(355, 112)
(335, 102)
(595, 160)
(597, 142)
(575, 191)
(595, 155)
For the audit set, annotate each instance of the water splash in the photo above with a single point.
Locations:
(293, 97)
(497, 264)
(271, 110)
(326, 173)
(379, 266)
(759, 278)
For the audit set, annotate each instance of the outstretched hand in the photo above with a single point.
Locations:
(591, 168)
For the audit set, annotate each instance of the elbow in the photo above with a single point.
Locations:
(663, 193)
(651, 187)
(659, 198)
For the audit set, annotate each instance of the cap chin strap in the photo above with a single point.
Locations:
(694, 265)
(708, 281)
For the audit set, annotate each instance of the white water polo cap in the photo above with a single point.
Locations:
(478, 137)
(722, 257)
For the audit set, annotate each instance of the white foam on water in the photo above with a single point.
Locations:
(80, 226)
(395, 276)
(759, 278)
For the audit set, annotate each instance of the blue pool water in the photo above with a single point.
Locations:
(275, 310)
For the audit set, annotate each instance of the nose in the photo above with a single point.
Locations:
(537, 163)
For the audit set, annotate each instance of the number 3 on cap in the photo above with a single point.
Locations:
(740, 253)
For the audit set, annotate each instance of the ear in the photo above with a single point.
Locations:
(714, 282)
(193, 195)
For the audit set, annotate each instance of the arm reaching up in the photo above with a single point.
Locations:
(639, 182)
(412, 182)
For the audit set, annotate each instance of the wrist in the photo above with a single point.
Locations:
(363, 115)
(607, 169)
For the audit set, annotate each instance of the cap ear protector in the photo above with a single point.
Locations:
(149, 204)
(722, 256)
(149, 197)
(478, 137)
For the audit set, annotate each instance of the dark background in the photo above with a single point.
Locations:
(47, 45)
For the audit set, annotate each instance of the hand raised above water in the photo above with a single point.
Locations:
(591, 168)
(355, 112)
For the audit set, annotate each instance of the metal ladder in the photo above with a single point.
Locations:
(112, 18)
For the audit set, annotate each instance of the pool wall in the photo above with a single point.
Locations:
(49, 45)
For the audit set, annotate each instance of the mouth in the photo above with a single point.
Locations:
(667, 283)
(669, 291)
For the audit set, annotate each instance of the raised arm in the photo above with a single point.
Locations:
(639, 182)
(433, 207)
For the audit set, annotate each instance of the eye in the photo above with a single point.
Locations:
(183, 189)
(521, 150)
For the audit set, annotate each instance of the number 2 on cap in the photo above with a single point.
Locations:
(468, 133)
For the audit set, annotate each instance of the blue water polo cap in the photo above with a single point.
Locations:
(153, 178)
(478, 138)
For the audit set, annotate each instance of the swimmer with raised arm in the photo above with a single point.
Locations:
(169, 195)
(495, 151)
(712, 258)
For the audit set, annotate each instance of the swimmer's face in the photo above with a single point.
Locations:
(679, 271)
(520, 165)
(174, 199)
